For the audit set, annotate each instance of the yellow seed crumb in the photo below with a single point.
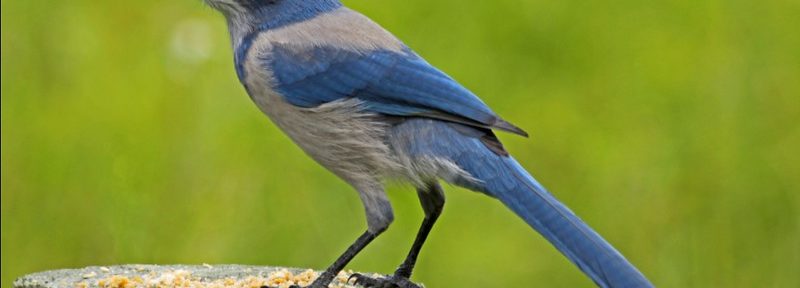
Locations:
(116, 281)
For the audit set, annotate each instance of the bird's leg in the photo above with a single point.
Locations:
(379, 216)
(327, 276)
(432, 200)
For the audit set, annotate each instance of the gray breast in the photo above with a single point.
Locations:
(339, 135)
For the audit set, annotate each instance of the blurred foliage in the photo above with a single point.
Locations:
(670, 126)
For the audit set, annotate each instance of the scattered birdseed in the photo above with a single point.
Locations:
(180, 276)
(282, 278)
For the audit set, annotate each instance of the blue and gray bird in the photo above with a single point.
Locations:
(365, 106)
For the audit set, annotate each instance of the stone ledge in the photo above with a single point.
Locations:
(128, 276)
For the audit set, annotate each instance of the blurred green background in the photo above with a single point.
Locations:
(670, 126)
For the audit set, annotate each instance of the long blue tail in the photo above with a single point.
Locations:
(512, 185)
(503, 178)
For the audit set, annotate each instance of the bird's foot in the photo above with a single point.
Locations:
(295, 286)
(382, 282)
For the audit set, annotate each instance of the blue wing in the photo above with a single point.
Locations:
(392, 83)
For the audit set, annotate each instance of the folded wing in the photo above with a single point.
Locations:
(388, 82)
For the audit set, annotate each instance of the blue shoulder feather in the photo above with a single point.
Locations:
(388, 82)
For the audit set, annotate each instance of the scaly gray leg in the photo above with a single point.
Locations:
(432, 200)
(379, 217)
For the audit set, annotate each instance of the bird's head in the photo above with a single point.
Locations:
(238, 8)
(270, 13)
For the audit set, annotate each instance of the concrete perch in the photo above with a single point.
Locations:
(129, 276)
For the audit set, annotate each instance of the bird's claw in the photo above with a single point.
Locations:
(382, 282)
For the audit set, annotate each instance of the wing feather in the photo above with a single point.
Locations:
(388, 82)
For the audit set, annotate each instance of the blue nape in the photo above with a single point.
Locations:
(285, 12)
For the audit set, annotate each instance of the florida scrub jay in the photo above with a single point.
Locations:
(365, 106)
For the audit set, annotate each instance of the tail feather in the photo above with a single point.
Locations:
(500, 176)
(568, 233)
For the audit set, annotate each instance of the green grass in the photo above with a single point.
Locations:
(670, 126)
